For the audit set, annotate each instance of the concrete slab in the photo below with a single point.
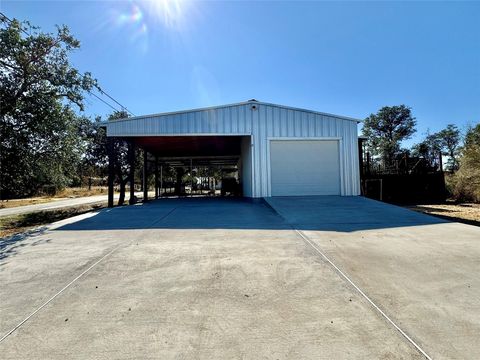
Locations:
(420, 270)
(203, 279)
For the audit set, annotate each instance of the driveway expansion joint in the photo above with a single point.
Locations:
(315, 247)
(5, 336)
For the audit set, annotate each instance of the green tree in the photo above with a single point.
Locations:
(472, 137)
(466, 185)
(121, 151)
(429, 149)
(38, 127)
(449, 139)
(386, 130)
(96, 156)
(94, 160)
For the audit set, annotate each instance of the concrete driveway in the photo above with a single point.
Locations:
(229, 279)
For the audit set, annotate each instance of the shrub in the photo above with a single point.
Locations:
(465, 184)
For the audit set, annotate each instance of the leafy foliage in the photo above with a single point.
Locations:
(445, 142)
(429, 149)
(386, 130)
(466, 181)
(40, 142)
(449, 139)
(94, 160)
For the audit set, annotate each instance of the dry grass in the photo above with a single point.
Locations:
(11, 225)
(21, 202)
(67, 193)
(468, 213)
(81, 192)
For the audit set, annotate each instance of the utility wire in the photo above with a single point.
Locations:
(99, 98)
(5, 17)
(101, 91)
(111, 98)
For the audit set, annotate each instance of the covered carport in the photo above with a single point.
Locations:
(184, 153)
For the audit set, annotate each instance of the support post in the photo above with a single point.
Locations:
(360, 158)
(161, 180)
(156, 177)
(145, 176)
(111, 170)
(191, 178)
(368, 163)
(131, 175)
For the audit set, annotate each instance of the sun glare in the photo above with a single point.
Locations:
(145, 19)
(169, 12)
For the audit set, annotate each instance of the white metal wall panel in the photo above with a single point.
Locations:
(264, 122)
(305, 167)
(272, 122)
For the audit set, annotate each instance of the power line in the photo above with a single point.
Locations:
(99, 98)
(101, 91)
(5, 17)
(111, 98)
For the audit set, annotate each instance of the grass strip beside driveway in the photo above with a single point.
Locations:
(14, 224)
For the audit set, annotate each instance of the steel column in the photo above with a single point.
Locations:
(156, 177)
(131, 175)
(111, 169)
(145, 176)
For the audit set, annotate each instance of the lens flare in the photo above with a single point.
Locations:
(145, 20)
(133, 15)
(169, 12)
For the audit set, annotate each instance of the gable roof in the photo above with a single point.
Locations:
(252, 102)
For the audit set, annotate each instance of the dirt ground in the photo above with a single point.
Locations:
(67, 193)
(465, 213)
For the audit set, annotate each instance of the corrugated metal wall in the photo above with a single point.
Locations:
(229, 120)
(265, 122)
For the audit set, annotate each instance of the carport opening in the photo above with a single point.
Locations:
(197, 165)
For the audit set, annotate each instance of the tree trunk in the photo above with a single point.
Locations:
(178, 183)
(123, 185)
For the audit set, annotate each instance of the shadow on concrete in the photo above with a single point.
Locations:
(328, 213)
(10, 245)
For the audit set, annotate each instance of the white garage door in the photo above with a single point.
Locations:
(305, 167)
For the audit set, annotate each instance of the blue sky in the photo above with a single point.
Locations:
(348, 58)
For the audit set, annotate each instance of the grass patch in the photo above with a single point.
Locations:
(11, 225)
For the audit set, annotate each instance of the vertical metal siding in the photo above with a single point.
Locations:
(264, 123)
(225, 120)
(275, 122)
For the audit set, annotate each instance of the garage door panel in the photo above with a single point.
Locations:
(305, 167)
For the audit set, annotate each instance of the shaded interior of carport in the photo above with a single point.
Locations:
(179, 152)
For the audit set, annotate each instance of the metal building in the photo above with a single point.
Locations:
(279, 150)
